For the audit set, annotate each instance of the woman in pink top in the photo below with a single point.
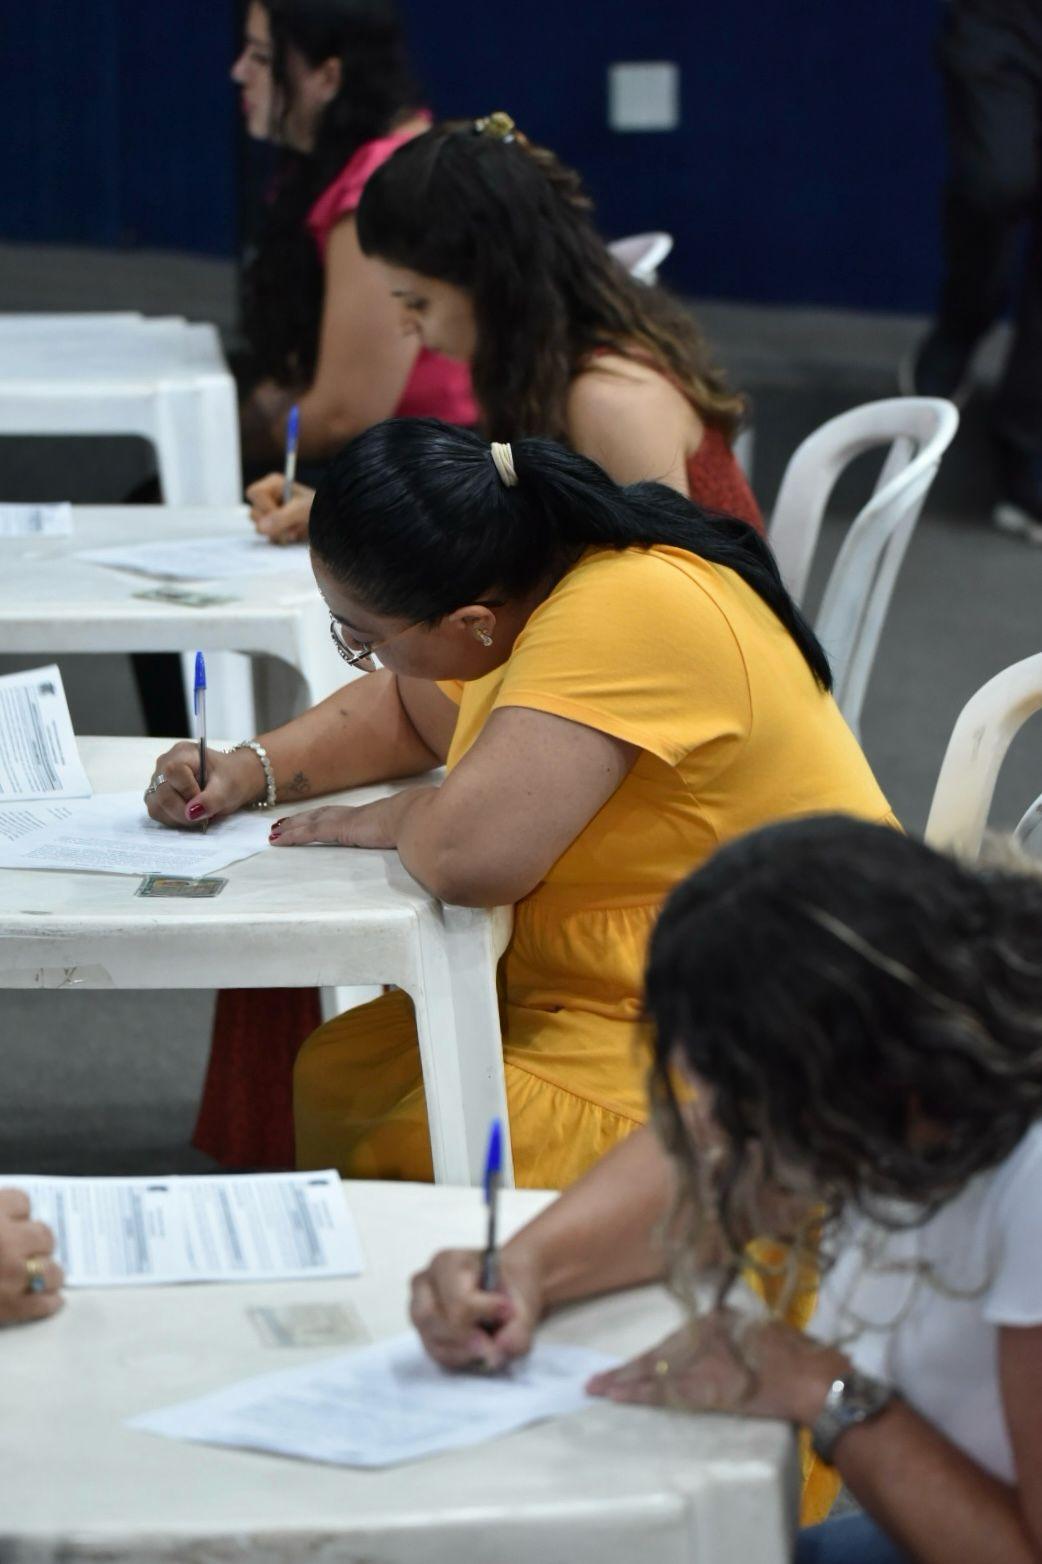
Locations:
(327, 81)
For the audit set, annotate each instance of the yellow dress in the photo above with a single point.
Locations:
(681, 658)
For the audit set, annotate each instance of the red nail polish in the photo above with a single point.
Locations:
(273, 834)
(194, 811)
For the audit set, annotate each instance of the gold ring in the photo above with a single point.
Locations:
(662, 1368)
(35, 1273)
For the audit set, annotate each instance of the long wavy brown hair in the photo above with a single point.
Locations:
(475, 204)
(828, 981)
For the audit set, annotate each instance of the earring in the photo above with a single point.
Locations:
(484, 637)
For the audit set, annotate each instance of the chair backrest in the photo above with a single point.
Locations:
(849, 624)
(642, 254)
(983, 732)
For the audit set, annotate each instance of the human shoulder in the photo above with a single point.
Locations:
(632, 421)
(1020, 1175)
(611, 383)
(340, 198)
(665, 590)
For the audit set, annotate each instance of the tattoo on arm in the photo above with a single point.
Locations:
(298, 785)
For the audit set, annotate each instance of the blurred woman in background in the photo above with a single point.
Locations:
(328, 82)
(487, 246)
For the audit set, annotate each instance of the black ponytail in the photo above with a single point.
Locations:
(415, 517)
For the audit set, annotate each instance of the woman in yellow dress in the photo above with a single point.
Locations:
(616, 681)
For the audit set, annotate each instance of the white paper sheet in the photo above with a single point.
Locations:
(143, 1232)
(36, 521)
(38, 754)
(112, 834)
(205, 559)
(382, 1405)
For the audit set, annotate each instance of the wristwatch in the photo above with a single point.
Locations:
(850, 1400)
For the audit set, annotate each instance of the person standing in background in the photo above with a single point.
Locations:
(991, 59)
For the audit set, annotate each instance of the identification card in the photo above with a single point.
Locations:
(184, 598)
(309, 1325)
(175, 885)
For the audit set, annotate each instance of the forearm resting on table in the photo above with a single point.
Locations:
(359, 735)
(605, 1231)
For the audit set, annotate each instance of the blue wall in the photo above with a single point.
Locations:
(807, 166)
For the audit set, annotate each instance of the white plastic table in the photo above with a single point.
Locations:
(288, 917)
(164, 379)
(608, 1486)
(53, 603)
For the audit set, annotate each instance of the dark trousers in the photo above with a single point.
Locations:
(853, 1539)
(991, 58)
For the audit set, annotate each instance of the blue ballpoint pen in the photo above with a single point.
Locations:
(493, 1179)
(292, 436)
(199, 702)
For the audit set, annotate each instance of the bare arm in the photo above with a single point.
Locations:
(374, 729)
(605, 1231)
(364, 360)
(489, 835)
(633, 423)
(931, 1498)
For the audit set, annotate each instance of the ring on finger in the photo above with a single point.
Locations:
(155, 784)
(36, 1273)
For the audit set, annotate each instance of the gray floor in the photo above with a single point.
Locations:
(109, 1082)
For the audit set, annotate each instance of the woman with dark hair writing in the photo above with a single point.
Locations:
(328, 82)
(617, 682)
(860, 1020)
(487, 245)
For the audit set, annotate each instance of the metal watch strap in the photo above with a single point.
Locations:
(853, 1399)
(270, 791)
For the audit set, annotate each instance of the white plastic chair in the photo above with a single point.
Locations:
(983, 733)
(642, 254)
(849, 623)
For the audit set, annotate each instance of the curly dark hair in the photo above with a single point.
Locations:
(282, 285)
(826, 979)
(508, 222)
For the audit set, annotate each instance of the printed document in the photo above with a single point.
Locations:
(112, 834)
(36, 521)
(205, 559)
(38, 754)
(382, 1404)
(143, 1232)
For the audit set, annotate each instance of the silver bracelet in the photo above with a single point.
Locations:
(270, 791)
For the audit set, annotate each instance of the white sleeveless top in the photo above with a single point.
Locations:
(936, 1340)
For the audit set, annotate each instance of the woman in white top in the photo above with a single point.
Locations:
(861, 1019)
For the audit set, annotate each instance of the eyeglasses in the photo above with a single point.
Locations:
(361, 656)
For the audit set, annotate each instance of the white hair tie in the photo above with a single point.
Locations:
(503, 457)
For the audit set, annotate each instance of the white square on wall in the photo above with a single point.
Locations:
(644, 95)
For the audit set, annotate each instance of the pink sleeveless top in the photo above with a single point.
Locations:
(438, 387)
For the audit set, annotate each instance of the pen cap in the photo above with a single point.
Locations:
(292, 427)
(493, 1157)
(200, 680)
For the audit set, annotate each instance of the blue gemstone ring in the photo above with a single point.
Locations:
(35, 1278)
